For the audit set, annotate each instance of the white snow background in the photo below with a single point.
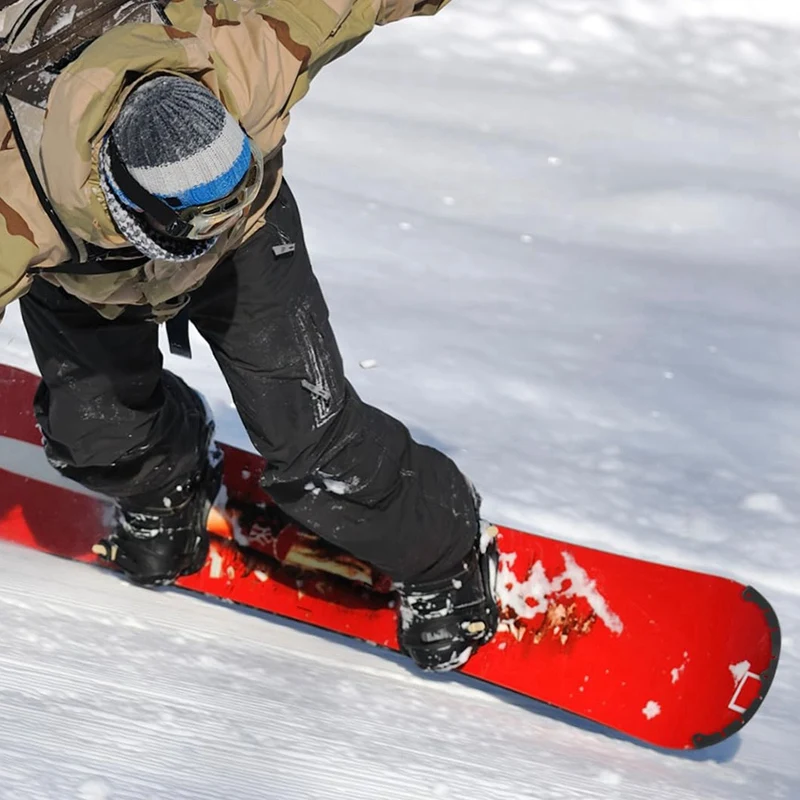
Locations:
(561, 239)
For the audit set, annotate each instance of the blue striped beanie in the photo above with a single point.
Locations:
(179, 143)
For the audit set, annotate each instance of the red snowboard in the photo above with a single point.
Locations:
(674, 658)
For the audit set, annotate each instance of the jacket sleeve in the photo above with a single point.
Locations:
(358, 19)
(267, 52)
(392, 10)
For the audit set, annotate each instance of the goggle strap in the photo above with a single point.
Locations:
(151, 205)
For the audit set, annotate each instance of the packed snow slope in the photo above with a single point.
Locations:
(560, 240)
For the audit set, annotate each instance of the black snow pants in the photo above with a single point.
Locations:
(115, 421)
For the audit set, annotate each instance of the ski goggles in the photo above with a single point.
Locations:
(195, 222)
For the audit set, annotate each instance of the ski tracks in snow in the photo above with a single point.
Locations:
(110, 691)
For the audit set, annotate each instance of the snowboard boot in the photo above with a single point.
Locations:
(442, 623)
(158, 539)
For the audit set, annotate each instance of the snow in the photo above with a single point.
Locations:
(531, 596)
(766, 503)
(677, 672)
(64, 19)
(651, 709)
(339, 487)
(567, 231)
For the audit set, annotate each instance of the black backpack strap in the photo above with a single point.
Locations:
(44, 201)
(107, 266)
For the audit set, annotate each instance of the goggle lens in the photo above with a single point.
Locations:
(216, 218)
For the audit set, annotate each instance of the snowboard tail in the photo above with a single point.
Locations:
(671, 657)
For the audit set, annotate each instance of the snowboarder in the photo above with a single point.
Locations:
(152, 191)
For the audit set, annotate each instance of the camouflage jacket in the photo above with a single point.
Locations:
(257, 56)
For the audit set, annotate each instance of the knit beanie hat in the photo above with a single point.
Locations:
(180, 144)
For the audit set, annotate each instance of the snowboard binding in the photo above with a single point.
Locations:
(154, 542)
(442, 623)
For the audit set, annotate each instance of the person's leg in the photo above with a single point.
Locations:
(342, 468)
(114, 421)
(347, 471)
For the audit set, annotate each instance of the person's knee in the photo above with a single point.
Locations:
(311, 437)
(360, 453)
(95, 439)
